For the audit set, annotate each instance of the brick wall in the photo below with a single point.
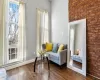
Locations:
(89, 9)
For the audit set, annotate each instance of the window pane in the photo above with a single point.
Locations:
(13, 12)
(12, 53)
(13, 34)
(13, 23)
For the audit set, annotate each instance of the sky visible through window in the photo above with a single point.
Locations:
(13, 22)
(13, 12)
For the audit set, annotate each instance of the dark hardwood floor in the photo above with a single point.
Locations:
(56, 73)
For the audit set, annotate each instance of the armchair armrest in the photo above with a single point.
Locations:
(63, 56)
(63, 51)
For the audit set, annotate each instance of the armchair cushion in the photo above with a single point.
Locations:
(55, 48)
(61, 47)
(53, 56)
(49, 46)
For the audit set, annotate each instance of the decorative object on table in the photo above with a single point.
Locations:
(42, 52)
(77, 52)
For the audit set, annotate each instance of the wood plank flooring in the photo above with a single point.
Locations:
(56, 73)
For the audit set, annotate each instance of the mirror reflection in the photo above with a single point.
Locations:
(75, 46)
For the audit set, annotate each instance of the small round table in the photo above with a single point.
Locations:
(42, 59)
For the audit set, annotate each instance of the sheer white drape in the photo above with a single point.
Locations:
(21, 33)
(1, 29)
(42, 28)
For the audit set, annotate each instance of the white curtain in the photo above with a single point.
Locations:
(2, 16)
(21, 33)
(42, 28)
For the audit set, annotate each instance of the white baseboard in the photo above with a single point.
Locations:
(76, 70)
(19, 64)
(94, 76)
(89, 74)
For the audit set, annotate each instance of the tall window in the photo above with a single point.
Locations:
(15, 31)
(42, 28)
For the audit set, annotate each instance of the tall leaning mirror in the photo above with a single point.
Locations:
(77, 46)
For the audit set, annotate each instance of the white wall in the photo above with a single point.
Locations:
(31, 25)
(59, 21)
